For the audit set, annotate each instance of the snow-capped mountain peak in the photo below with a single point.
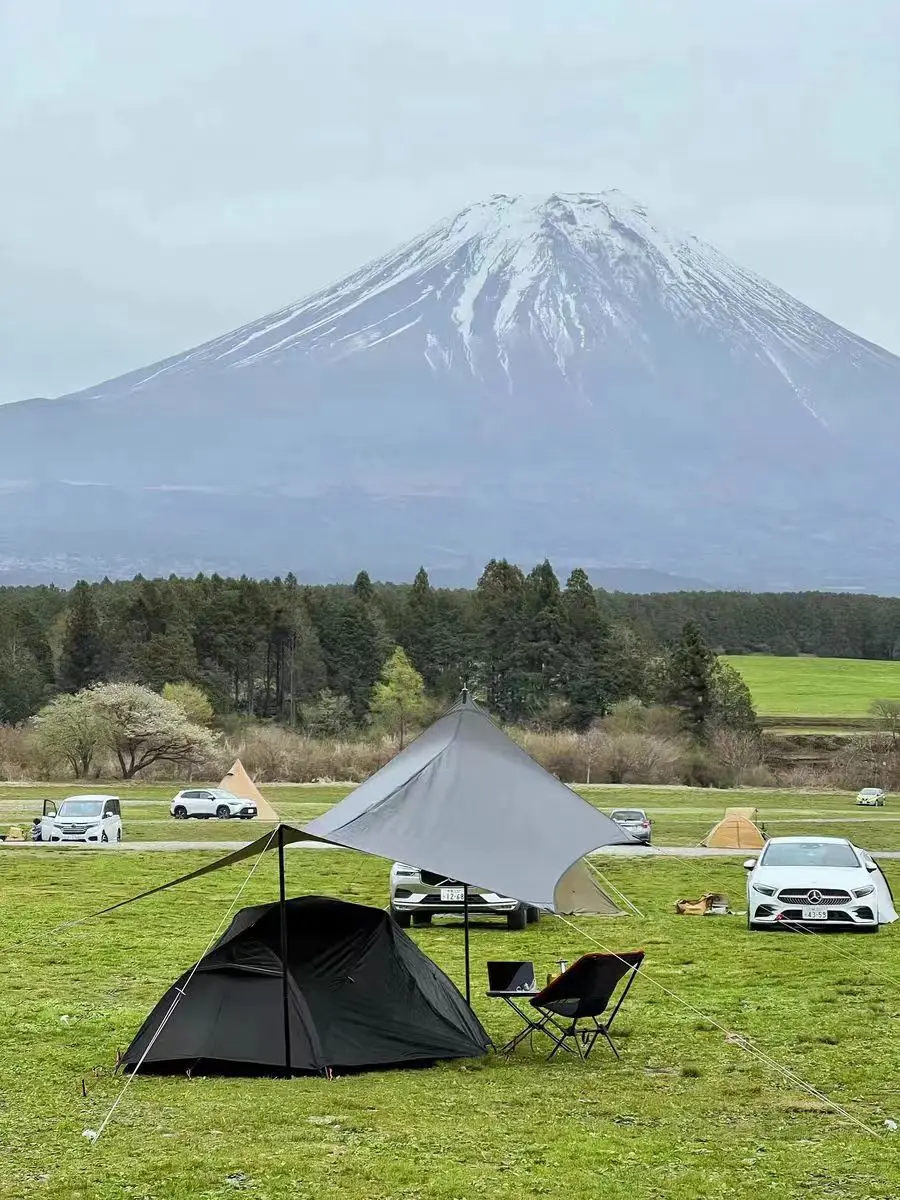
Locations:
(571, 272)
(558, 375)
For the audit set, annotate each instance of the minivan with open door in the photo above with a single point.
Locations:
(93, 819)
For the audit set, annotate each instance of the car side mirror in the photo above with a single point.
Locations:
(871, 866)
(749, 864)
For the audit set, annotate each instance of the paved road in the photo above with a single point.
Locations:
(223, 848)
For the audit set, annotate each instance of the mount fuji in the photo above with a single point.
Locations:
(532, 377)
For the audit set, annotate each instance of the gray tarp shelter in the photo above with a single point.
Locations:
(466, 801)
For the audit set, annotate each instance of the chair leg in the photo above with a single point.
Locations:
(562, 1039)
(612, 1044)
(590, 1040)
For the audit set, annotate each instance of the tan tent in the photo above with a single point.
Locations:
(735, 832)
(239, 783)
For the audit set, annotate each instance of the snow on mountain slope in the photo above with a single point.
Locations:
(661, 406)
(571, 270)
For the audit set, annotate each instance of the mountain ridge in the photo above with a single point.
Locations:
(559, 377)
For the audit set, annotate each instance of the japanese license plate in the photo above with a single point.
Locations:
(452, 895)
(814, 914)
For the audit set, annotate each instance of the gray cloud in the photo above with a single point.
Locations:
(174, 167)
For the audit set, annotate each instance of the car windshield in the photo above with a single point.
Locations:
(80, 808)
(870, 792)
(628, 814)
(809, 854)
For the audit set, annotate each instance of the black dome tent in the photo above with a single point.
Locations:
(361, 995)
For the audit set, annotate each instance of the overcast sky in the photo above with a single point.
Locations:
(172, 168)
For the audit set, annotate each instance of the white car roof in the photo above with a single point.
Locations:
(91, 796)
(809, 837)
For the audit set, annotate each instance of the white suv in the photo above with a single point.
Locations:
(83, 819)
(210, 802)
(417, 896)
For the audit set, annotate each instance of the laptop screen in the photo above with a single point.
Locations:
(511, 977)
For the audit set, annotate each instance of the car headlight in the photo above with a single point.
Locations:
(864, 891)
(764, 889)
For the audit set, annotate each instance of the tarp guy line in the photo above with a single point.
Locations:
(181, 992)
(735, 1039)
(612, 887)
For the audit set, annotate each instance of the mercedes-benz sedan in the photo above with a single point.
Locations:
(811, 883)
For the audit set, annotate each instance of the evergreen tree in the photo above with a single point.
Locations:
(82, 659)
(363, 589)
(352, 645)
(585, 646)
(498, 611)
(732, 704)
(418, 627)
(541, 657)
(691, 679)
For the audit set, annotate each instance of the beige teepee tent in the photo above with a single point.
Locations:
(736, 831)
(239, 783)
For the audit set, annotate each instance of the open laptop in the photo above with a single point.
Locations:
(510, 978)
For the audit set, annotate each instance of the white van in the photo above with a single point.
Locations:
(83, 819)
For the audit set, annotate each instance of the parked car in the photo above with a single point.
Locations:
(634, 821)
(811, 882)
(210, 802)
(82, 819)
(871, 797)
(417, 896)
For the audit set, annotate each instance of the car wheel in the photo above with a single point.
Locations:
(403, 919)
(223, 812)
(180, 812)
(534, 915)
(103, 837)
(518, 918)
(118, 835)
(421, 919)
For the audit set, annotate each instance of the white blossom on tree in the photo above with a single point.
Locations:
(141, 728)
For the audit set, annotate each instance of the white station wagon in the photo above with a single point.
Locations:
(210, 802)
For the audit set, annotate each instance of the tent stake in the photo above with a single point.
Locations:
(466, 940)
(282, 910)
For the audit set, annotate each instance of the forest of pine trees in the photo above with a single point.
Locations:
(535, 650)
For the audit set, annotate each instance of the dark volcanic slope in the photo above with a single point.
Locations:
(553, 377)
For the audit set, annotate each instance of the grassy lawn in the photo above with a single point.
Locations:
(816, 687)
(684, 1115)
(681, 816)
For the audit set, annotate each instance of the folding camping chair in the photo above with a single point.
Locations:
(568, 1010)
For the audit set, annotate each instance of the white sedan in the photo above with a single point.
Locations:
(210, 802)
(871, 798)
(813, 882)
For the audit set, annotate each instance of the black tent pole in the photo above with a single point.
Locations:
(466, 938)
(282, 910)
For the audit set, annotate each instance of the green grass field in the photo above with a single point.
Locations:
(681, 816)
(685, 1114)
(816, 687)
